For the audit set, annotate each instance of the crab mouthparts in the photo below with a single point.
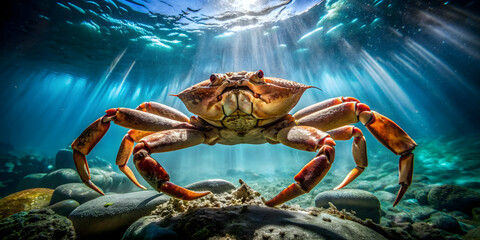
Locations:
(236, 89)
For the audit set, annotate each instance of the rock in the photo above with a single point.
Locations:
(76, 191)
(385, 196)
(33, 180)
(365, 204)
(459, 215)
(401, 217)
(65, 207)
(145, 228)
(473, 234)
(251, 222)
(476, 214)
(453, 198)
(421, 194)
(215, 186)
(101, 163)
(36, 224)
(445, 222)
(421, 213)
(107, 180)
(121, 184)
(13, 168)
(418, 178)
(423, 230)
(363, 185)
(114, 213)
(392, 188)
(61, 176)
(64, 159)
(25, 200)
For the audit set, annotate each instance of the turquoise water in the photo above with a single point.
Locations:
(64, 63)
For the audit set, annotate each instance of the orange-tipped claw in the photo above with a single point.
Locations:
(128, 172)
(124, 152)
(405, 175)
(401, 192)
(350, 177)
(83, 171)
(289, 193)
(179, 192)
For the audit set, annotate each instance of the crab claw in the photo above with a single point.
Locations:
(394, 138)
(405, 175)
(157, 177)
(82, 169)
(176, 191)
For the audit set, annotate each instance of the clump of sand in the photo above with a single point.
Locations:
(244, 195)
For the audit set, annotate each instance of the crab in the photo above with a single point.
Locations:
(246, 107)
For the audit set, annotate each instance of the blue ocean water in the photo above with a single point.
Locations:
(63, 63)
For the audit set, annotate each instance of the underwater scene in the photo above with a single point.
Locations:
(231, 119)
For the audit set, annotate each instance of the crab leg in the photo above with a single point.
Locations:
(385, 130)
(124, 117)
(163, 110)
(309, 139)
(359, 150)
(322, 105)
(153, 172)
(126, 147)
(125, 151)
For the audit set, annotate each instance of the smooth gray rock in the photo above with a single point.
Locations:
(109, 181)
(453, 198)
(64, 159)
(384, 196)
(421, 194)
(76, 191)
(113, 213)
(121, 184)
(146, 228)
(445, 222)
(421, 213)
(365, 204)
(213, 185)
(61, 176)
(65, 207)
(249, 222)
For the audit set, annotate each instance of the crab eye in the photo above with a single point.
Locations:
(216, 79)
(257, 77)
(260, 74)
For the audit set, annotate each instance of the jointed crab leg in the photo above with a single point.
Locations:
(163, 110)
(395, 139)
(126, 147)
(124, 117)
(125, 151)
(85, 143)
(359, 150)
(309, 139)
(153, 172)
(385, 130)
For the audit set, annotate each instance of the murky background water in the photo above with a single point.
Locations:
(64, 62)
